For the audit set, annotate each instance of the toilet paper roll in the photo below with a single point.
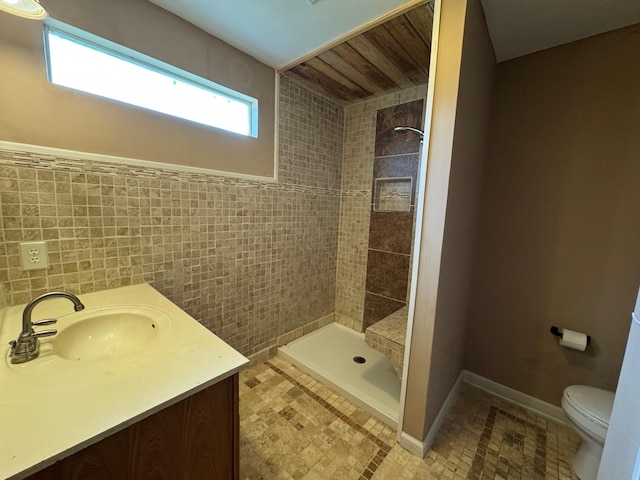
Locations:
(573, 339)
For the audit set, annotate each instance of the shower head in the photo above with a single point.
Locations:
(410, 129)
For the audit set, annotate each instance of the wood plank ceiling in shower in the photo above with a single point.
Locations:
(388, 57)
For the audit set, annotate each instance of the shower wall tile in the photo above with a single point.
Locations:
(397, 159)
(355, 209)
(398, 166)
(389, 142)
(388, 336)
(311, 133)
(377, 308)
(292, 335)
(250, 260)
(352, 259)
(388, 274)
(391, 232)
(392, 195)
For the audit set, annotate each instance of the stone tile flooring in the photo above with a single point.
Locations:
(293, 427)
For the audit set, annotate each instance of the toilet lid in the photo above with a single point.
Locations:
(593, 402)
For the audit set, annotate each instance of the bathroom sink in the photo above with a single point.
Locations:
(128, 355)
(108, 332)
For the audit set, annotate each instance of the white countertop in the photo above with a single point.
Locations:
(51, 407)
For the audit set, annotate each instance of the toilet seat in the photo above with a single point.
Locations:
(590, 407)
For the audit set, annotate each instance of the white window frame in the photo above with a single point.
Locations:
(121, 52)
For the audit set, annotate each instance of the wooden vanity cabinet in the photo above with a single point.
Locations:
(194, 439)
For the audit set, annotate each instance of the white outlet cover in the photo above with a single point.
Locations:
(34, 255)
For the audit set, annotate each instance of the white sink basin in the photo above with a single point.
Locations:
(109, 331)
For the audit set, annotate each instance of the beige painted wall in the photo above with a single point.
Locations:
(464, 78)
(36, 112)
(559, 236)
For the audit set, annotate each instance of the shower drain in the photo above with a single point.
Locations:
(359, 359)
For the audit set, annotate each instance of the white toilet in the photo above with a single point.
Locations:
(589, 410)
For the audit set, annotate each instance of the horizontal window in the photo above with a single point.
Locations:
(87, 63)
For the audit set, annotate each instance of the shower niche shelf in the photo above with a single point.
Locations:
(392, 194)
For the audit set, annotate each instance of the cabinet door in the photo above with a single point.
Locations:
(194, 439)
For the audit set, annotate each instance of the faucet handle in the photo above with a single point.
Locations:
(44, 333)
(46, 321)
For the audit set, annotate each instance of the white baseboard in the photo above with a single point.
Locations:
(421, 448)
(412, 445)
(536, 405)
(439, 420)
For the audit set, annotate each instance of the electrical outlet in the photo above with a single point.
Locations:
(34, 255)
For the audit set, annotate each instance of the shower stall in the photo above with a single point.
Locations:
(458, 105)
(362, 353)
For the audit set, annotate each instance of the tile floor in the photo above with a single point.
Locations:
(293, 427)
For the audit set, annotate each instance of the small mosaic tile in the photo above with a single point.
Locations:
(388, 336)
(293, 427)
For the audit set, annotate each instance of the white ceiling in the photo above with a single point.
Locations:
(521, 27)
(279, 32)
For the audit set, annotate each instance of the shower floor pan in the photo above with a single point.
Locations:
(328, 355)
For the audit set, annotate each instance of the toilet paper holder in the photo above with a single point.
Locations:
(556, 331)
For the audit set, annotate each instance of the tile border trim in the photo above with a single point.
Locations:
(48, 158)
(383, 447)
(540, 454)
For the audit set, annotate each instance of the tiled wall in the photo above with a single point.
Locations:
(391, 226)
(250, 260)
(388, 336)
(355, 209)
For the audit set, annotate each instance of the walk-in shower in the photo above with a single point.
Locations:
(362, 354)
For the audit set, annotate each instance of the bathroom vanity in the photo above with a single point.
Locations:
(104, 401)
(196, 438)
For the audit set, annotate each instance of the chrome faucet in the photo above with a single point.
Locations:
(27, 347)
